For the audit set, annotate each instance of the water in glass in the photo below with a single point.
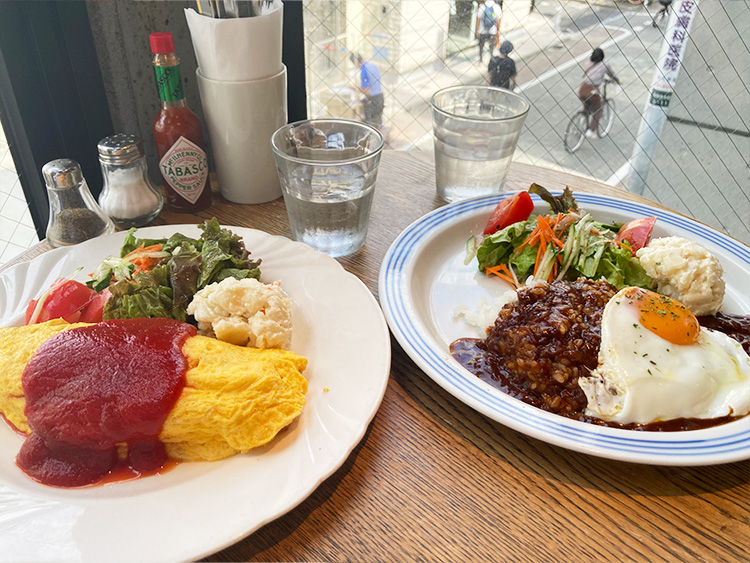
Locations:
(467, 165)
(329, 207)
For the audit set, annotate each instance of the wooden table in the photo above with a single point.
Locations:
(433, 480)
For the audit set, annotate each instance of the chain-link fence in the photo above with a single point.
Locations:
(700, 164)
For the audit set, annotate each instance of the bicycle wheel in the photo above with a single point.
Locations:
(607, 118)
(575, 132)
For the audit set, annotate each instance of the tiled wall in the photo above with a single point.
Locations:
(17, 231)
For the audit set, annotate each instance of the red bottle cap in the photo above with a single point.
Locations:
(161, 42)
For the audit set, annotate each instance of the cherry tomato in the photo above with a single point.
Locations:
(636, 232)
(65, 300)
(510, 210)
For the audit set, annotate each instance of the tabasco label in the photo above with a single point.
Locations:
(185, 168)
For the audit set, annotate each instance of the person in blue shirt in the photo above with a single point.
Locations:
(370, 85)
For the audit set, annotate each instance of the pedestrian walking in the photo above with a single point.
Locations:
(371, 87)
(487, 28)
(501, 71)
(593, 77)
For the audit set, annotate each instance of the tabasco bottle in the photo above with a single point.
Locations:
(178, 134)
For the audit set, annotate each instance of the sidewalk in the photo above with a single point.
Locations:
(698, 170)
(413, 89)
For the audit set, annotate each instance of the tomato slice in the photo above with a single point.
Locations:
(92, 313)
(636, 232)
(65, 300)
(510, 210)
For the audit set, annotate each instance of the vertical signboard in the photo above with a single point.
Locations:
(682, 14)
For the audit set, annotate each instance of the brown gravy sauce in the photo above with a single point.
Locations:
(736, 326)
(488, 367)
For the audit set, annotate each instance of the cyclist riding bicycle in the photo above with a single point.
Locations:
(596, 71)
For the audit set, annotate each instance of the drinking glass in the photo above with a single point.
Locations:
(327, 169)
(476, 129)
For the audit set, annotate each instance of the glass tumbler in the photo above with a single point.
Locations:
(476, 129)
(327, 170)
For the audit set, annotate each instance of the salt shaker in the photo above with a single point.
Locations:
(74, 215)
(128, 197)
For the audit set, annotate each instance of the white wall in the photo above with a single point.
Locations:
(423, 33)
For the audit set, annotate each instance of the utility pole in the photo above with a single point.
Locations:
(682, 14)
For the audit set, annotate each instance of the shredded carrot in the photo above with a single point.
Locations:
(144, 248)
(544, 234)
(624, 245)
(550, 232)
(503, 272)
(144, 263)
(533, 237)
(530, 240)
(540, 252)
(565, 222)
(545, 229)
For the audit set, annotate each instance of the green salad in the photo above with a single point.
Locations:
(158, 277)
(565, 244)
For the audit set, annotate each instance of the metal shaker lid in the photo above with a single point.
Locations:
(62, 173)
(121, 148)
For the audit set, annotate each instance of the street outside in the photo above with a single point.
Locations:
(551, 47)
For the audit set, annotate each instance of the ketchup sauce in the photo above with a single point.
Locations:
(90, 388)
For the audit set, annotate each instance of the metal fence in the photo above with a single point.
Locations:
(700, 162)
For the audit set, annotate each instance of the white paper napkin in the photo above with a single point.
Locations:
(238, 49)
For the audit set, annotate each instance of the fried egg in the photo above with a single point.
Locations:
(657, 363)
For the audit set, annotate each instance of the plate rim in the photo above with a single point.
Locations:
(357, 428)
(590, 439)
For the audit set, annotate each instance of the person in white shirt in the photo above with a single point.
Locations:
(487, 27)
(596, 72)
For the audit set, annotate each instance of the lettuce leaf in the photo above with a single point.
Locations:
(166, 290)
(148, 296)
(498, 247)
(223, 250)
(621, 269)
(184, 270)
(132, 242)
(558, 204)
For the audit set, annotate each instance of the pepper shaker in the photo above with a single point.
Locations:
(74, 215)
(128, 198)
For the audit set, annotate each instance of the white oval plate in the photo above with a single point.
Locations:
(199, 508)
(423, 278)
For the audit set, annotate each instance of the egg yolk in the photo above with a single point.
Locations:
(666, 318)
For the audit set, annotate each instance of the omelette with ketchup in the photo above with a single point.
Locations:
(138, 392)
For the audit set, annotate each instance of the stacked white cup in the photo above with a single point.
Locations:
(243, 87)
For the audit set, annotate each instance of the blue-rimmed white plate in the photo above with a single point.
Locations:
(423, 279)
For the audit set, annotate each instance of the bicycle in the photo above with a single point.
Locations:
(575, 133)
